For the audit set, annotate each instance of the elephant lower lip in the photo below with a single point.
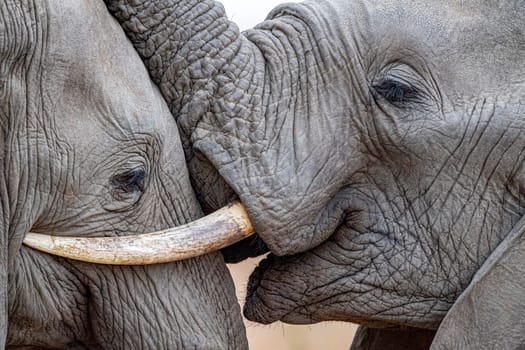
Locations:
(270, 297)
(259, 309)
(254, 282)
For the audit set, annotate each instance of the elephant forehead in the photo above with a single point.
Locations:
(477, 46)
(94, 76)
(85, 48)
(442, 18)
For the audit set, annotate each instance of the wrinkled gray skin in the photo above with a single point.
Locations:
(88, 147)
(378, 146)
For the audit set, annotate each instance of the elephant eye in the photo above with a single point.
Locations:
(129, 181)
(397, 92)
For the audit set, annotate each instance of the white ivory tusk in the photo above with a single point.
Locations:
(210, 233)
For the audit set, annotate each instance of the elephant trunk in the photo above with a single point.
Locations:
(155, 306)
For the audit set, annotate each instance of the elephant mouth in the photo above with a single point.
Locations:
(220, 229)
(276, 311)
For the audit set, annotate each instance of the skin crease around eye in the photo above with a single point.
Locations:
(401, 84)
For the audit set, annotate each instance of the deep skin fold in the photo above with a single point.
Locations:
(77, 113)
(383, 207)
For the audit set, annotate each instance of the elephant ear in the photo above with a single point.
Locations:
(17, 43)
(3, 272)
(4, 216)
(489, 314)
(5, 198)
(392, 339)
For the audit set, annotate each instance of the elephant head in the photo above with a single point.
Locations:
(377, 145)
(88, 148)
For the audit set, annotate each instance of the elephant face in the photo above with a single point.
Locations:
(377, 145)
(399, 172)
(89, 148)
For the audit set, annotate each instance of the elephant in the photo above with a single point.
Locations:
(90, 149)
(377, 147)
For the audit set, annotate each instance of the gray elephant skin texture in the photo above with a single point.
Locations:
(89, 147)
(377, 145)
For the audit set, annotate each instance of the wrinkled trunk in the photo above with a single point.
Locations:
(185, 305)
(253, 109)
(199, 42)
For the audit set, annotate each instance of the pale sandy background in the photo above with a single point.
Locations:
(280, 336)
(247, 13)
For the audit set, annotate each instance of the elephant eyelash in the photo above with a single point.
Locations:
(130, 181)
(397, 92)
